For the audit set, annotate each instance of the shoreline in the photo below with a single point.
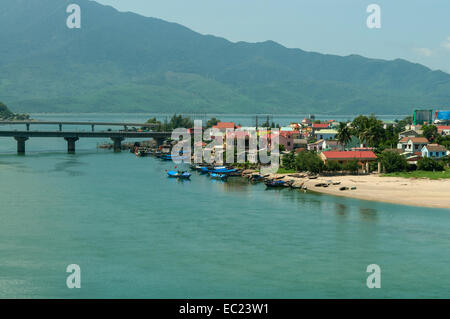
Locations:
(393, 190)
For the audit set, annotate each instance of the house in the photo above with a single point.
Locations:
(434, 151)
(306, 122)
(363, 157)
(327, 134)
(300, 143)
(412, 144)
(332, 145)
(320, 126)
(414, 158)
(316, 146)
(408, 133)
(444, 130)
(287, 140)
(223, 126)
(346, 156)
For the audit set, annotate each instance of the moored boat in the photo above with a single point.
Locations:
(178, 174)
(275, 183)
(218, 176)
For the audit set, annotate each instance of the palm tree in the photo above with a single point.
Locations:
(344, 134)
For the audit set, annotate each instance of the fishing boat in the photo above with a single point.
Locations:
(256, 178)
(218, 176)
(178, 174)
(275, 183)
(170, 157)
(218, 170)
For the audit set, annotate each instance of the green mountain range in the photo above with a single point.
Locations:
(124, 62)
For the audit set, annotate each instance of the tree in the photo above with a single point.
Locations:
(430, 132)
(178, 121)
(351, 166)
(333, 166)
(344, 134)
(429, 164)
(309, 161)
(288, 161)
(211, 122)
(393, 162)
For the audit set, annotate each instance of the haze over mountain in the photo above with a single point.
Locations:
(123, 62)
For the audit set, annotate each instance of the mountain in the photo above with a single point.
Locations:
(124, 62)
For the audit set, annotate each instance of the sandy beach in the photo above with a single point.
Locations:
(405, 191)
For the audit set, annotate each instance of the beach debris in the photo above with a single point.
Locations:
(353, 188)
(343, 188)
(321, 185)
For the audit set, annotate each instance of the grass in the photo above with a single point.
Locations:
(421, 174)
(282, 170)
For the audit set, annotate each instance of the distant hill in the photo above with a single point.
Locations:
(123, 62)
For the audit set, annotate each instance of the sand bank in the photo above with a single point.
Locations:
(405, 191)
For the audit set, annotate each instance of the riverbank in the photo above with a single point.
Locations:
(396, 190)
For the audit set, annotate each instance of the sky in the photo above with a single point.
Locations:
(415, 30)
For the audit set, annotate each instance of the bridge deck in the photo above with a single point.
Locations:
(101, 134)
(76, 123)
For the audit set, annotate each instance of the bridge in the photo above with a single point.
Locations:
(73, 136)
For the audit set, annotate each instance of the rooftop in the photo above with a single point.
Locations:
(349, 154)
(321, 125)
(435, 148)
(421, 140)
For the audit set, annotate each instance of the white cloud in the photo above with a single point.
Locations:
(423, 51)
(446, 43)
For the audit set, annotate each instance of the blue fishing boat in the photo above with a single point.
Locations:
(223, 171)
(218, 176)
(178, 174)
(170, 157)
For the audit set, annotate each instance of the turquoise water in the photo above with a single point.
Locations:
(137, 234)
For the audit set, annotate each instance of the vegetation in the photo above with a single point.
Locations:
(6, 114)
(429, 164)
(344, 133)
(393, 162)
(421, 174)
(430, 132)
(176, 121)
(212, 122)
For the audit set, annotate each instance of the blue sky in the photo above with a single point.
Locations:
(415, 30)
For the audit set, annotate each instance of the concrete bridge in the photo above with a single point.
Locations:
(72, 136)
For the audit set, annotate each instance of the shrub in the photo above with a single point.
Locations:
(288, 161)
(351, 166)
(333, 166)
(309, 161)
(393, 162)
(429, 164)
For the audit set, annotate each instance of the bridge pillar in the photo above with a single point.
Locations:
(21, 144)
(60, 127)
(93, 127)
(71, 144)
(159, 141)
(117, 143)
(28, 126)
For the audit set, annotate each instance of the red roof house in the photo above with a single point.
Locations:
(321, 125)
(224, 125)
(342, 156)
